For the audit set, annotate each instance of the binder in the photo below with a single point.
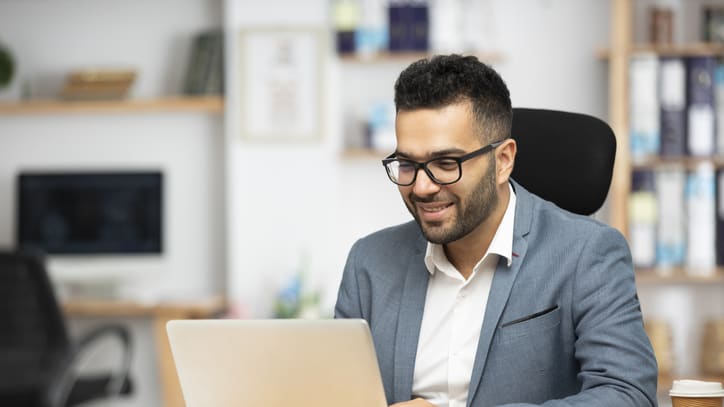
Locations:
(398, 18)
(700, 109)
(720, 218)
(701, 220)
(672, 98)
(719, 106)
(419, 25)
(643, 95)
(643, 209)
(671, 223)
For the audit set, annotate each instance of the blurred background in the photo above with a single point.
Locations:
(261, 125)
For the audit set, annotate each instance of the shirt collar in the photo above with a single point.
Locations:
(502, 243)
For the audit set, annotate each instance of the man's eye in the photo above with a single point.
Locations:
(446, 164)
(406, 166)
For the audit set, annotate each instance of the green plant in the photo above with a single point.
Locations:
(7, 67)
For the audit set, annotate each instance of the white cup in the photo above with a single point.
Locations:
(695, 393)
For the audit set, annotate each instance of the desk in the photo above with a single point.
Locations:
(160, 313)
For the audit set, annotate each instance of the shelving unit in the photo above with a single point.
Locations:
(622, 47)
(211, 104)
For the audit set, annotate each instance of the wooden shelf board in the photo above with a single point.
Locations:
(364, 153)
(688, 162)
(673, 50)
(408, 56)
(678, 275)
(195, 308)
(210, 104)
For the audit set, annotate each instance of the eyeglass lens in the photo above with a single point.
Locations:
(441, 170)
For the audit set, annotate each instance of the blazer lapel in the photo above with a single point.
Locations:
(502, 284)
(408, 323)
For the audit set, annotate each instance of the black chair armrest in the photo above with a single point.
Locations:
(119, 380)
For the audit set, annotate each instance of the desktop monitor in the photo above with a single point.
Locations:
(90, 213)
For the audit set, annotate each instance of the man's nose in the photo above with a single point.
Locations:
(424, 185)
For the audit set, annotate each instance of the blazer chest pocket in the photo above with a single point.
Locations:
(532, 324)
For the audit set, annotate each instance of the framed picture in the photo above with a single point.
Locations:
(281, 83)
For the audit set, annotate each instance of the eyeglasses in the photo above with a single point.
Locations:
(441, 170)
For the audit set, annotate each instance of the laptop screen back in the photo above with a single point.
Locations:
(272, 363)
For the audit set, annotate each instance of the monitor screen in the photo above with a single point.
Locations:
(90, 212)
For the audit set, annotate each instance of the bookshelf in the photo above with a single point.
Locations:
(210, 104)
(618, 54)
(623, 46)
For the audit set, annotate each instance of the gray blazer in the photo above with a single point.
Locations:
(562, 326)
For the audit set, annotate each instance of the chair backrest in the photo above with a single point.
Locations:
(32, 328)
(564, 157)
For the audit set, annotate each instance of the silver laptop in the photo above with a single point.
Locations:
(276, 362)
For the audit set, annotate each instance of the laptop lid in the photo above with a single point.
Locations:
(276, 362)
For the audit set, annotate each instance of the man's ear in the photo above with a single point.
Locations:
(505, 160)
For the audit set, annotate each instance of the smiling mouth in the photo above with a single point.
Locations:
(433, 208)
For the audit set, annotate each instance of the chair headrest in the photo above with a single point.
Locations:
(564, 157)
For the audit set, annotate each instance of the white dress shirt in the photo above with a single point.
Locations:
(453, 316)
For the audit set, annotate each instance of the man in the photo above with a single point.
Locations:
(492, 296)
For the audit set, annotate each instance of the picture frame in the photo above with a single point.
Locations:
(281, 83)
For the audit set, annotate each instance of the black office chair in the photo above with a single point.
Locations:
(553, 149)
(38, 360)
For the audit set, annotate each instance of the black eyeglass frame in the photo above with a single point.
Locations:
(423, 165)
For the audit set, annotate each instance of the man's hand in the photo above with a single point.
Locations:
(414, 403)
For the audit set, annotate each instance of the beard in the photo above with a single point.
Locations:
(469, 213)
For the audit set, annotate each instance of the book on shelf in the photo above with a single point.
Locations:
(720, 218)
(701, 220)
(672, 100)
(671, 222)
(700, 105)
(205, 69)
(345, 19)
(712, 24)
(643, 208)
(419, 25)
(719, 106)
(409, 25)
(644, 104)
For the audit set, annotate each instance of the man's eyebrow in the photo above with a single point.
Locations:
(434, 154)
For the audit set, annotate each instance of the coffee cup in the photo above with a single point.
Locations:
(695, 393)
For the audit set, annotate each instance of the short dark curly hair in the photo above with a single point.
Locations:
(444, 80)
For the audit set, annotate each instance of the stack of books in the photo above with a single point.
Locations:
(94, 84)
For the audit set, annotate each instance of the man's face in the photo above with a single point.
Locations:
(446, 213)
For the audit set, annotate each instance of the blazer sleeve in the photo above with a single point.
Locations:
(617, 364)
(348, 296)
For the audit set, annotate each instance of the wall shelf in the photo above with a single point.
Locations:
(208, 104)
(395, 57)
(688, 162)
(672, 50)
(364, 153)
(678, 275)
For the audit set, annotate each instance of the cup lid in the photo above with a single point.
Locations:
(696, 388)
